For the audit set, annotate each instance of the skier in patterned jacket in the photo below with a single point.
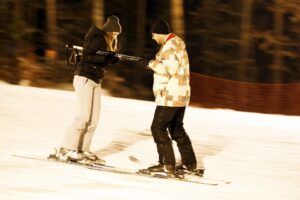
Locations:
(171, 89)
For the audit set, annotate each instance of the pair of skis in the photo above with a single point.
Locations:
(74, 53)
(79, 49)
(184, 176)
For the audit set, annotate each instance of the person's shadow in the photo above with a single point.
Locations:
(123, 141)
(211, 146)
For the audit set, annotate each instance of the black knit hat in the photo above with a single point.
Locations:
(112, 24)
(161, 27)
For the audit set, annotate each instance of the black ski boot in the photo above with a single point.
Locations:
(156, 168)
(159, 168)
(190, 169)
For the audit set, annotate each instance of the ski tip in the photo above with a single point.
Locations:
(133, 159)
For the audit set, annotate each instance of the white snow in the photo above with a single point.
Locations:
(259, 153)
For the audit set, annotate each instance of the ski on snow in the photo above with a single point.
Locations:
(113, 169)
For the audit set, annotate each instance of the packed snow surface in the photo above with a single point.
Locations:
(258, 153)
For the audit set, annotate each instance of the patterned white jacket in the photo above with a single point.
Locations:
(171, 85)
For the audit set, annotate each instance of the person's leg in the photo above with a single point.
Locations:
(183, 141)
(94, 118)
(84, 93)
(162, 117)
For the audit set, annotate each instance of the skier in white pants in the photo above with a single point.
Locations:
(88, 76)
(77, 141)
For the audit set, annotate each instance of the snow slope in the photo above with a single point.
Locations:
(259, 153)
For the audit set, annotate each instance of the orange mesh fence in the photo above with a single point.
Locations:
(214, 92)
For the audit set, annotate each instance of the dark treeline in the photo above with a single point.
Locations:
(245, 40)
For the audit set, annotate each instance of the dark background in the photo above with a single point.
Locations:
(254, 41)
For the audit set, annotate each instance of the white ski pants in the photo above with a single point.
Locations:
(79, 135)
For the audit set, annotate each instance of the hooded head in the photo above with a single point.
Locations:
(112, 24)
(161, 27)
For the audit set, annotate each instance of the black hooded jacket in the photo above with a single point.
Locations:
(92, 64)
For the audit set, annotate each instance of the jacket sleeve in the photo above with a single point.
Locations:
(168, 64)
(93, 45)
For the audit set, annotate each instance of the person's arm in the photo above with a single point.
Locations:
(168, 65)
(89, 53)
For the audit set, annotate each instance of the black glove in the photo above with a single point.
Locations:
(144, 63)
(111, 58)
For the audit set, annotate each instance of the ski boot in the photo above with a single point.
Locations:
(189, 169)
(156, 168)
(161, 171)
(93, 158)
(66, 155)
(161, 168)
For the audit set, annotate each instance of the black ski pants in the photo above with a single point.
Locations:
(168, 122)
